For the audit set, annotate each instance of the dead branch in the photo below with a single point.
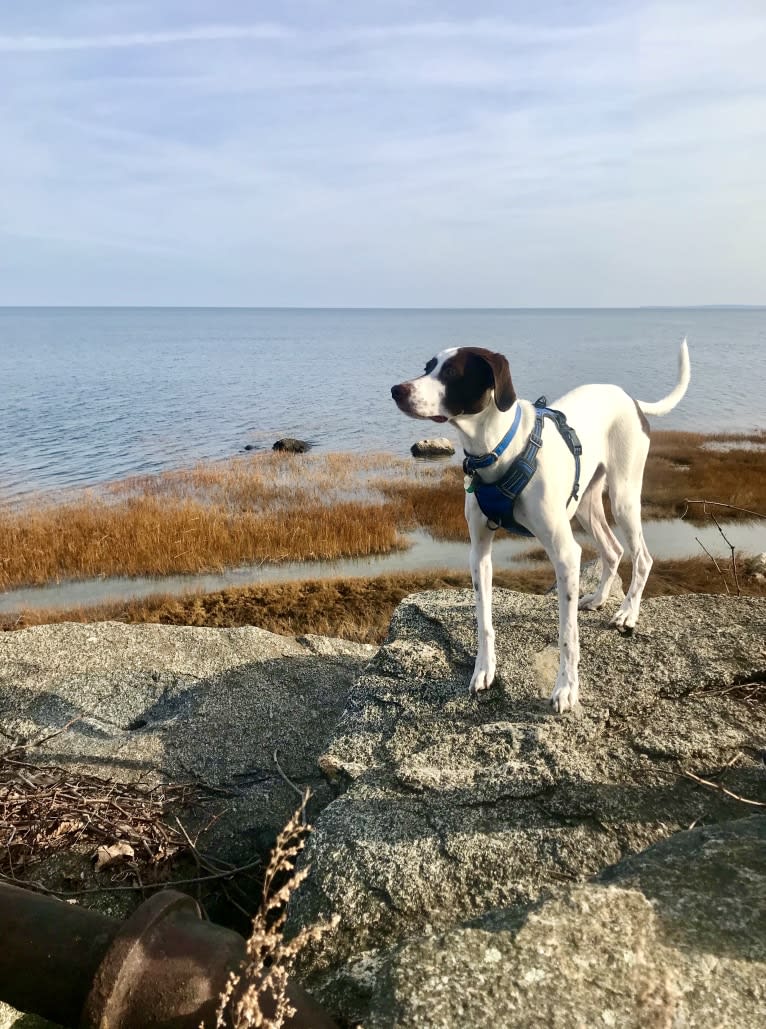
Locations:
(722, 789)
(718, 567)
(730, 545)
(716, 503)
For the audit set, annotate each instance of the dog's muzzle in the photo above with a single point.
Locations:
(401, 395)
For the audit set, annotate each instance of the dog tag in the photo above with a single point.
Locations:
(468, 483)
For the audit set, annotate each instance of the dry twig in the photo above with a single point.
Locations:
(716, 503)
(722, 789)
(730, 545)
(718, 567)
(45, 809)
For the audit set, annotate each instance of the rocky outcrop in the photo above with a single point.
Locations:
(456, 819)
(439, 447)
(289, 445)
(675, 936)
(493, 864)
(161, 703)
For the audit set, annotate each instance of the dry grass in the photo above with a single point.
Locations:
(436, 506)
(357, 609)
(680, 466)
(258, 993)
(271, 508)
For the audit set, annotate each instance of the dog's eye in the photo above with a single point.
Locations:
(449, 371)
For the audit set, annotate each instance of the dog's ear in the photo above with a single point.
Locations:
(505, 394)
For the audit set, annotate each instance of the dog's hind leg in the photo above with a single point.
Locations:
(625, 495)
(590, 514)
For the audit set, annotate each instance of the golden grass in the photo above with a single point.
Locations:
(271, 508)
(358, 609)
(437, 506)
(681, 466)
(147, 536)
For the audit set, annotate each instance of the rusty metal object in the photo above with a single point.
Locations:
(50, 952)
(163, 968)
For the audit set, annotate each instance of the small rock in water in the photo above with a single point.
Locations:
(756, 566)
(292, 446)
(440, 447)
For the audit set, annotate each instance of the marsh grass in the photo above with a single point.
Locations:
(272, 508)
(358, 609)
(682, 465)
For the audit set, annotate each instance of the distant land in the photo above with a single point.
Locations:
(351, 307)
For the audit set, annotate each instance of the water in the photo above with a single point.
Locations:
(665, 539)
(93, 394)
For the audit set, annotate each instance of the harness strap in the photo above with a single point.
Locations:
(521, 471)
(472, 463)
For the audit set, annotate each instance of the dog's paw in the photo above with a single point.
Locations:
(625, 619)
(590, 602)
(482, 679)
(564, 698)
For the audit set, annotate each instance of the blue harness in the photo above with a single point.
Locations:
(496, 499)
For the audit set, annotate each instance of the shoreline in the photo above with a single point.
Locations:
(668, 540)
(275, 508)
(360, 609)
(231, 525)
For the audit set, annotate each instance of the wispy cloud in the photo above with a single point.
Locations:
(513, 158)
(203, 34)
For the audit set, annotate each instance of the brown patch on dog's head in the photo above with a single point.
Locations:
(469, 376)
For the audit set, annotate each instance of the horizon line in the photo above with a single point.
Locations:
(375, 307)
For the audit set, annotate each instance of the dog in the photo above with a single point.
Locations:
(471, 388)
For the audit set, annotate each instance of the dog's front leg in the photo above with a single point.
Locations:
(564, 552)
(481, 575)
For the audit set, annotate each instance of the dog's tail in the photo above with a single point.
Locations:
(672, 399)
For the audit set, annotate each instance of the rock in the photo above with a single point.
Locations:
(455, 814)
(756, 566)
(440, 447)
(250, 446)
(12, 1019)
(292, 446)
(675, 936)
(162, 703)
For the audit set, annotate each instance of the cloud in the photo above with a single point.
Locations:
(439, 158)
(203, 34)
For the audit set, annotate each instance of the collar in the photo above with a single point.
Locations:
(471, 463)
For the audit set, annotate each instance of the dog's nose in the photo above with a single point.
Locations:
(400, 391)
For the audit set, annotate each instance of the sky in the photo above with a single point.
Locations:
(370, 153)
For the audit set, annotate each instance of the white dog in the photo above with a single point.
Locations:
(561, 473)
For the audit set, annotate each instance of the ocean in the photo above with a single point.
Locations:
(89, 395)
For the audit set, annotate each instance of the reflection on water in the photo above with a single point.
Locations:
(665, 539)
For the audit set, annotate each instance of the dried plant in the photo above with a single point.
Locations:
(45, 808)
(264, 1000)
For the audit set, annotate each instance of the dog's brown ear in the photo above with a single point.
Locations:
(505, 394)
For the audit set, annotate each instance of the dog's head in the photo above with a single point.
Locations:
(461, 381)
